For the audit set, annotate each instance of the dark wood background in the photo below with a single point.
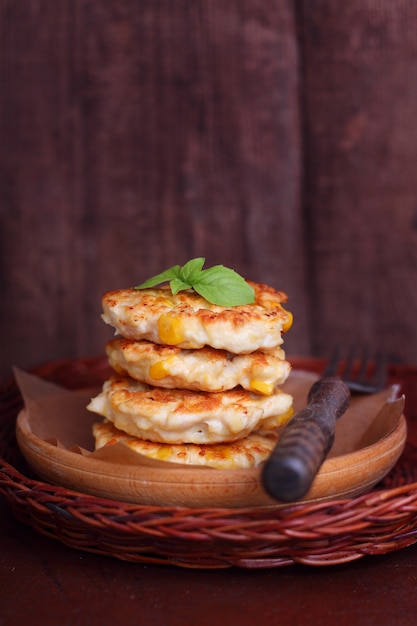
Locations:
(274, 136)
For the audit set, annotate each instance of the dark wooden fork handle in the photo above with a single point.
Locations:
(293, 464)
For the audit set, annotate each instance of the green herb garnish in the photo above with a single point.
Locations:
(218, 284)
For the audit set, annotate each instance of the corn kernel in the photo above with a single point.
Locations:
(285, 417)
(163, 453)
(288, 323)
(158, 370)
(262, 388)
(169, 329)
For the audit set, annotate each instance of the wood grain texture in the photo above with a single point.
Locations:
(139, 135)
(272, 136)
(361, 188)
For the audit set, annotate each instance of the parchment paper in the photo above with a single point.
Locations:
(60, 417)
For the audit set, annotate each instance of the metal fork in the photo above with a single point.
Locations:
(360, 372)
(291, 467)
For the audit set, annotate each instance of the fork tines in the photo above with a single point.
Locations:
(361, 372)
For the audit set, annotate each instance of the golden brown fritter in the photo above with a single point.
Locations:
(183, 416)
(189, 321)
(242, 454)
(205, 369)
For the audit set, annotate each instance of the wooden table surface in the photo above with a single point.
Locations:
(59, 585)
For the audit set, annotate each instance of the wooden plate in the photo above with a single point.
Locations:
(54, 435)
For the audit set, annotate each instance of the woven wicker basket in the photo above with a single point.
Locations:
(338, 531)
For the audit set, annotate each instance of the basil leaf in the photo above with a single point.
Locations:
(223, 286)
(163, 277)
(190, 272)
(177, 285)
(218, 284)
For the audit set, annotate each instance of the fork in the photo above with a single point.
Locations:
(305, 442)
(360, 373)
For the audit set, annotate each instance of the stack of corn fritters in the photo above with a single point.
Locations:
(194, 382)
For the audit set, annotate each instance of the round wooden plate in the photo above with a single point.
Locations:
(369, 440)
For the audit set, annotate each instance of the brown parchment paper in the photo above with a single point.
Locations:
(59, 417)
